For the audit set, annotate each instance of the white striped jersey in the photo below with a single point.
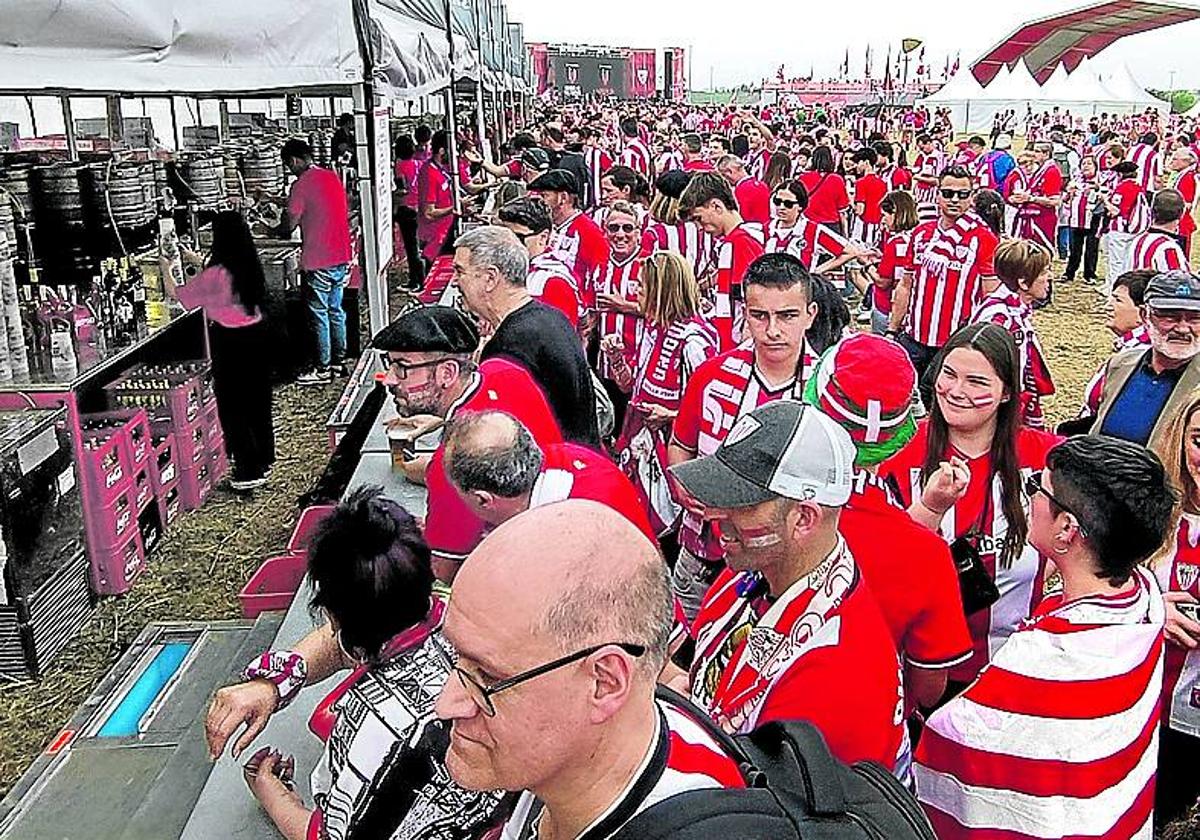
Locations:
(598, 162)
(1156, 251)
(810, 242)
(681, 757)
(1059, 736)
(636, 156)
(1149, 165)
(685, 239)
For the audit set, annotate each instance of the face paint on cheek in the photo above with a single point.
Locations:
(763, 537)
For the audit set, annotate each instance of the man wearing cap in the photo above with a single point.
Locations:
(499, 470)
(430, 372)
(576, 239)
(549, 279)
(533, 163)
(491, 267)
(1145, 388)
(774, 365)
(790, 631)
(866, 383)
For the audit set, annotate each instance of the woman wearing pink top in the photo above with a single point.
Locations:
(407, 168)
(231, 290)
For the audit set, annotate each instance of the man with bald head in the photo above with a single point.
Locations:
(561, 618)
(499, 470)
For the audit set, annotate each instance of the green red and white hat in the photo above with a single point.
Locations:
(866, 384)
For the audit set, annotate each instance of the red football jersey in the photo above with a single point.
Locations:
(451, 528)
(571, 471)
(949, 265)
(754, 200)
(808, 241)
(551, 282)
(1133, 213)
(910, 573)
(1186, 184)
(870, 190)
(581, 245)
(618, 278)
(821, 652)
(685, 239)
(981, 510)
(827, 196)
(1156, 251)
(735, 252)
(1181, 574)
(896, 250)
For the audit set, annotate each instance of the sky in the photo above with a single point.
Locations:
(746, 40)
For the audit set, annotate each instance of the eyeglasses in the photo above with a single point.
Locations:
(784, 202)
(402, 370)
(481, 695)
(522, 237)
(951, 194)
(1033, 486)
(620, 228)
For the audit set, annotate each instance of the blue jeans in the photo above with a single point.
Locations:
(323, 289)
(1064, 242)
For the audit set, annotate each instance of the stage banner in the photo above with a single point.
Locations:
(642, 76)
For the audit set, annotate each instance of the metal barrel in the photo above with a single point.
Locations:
(14, 182)
(115, 195)
(205, 176)
(58, 199)
(8, 229)
(262, 169)
(149, 193)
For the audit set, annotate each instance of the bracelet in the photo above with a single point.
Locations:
(938, 513)
(285, 669)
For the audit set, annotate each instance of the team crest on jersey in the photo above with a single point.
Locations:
(742, 430)
(1187, 574)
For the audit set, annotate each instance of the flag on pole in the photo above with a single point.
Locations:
(921, 63)
(946, 69)
(845, 74)
(867, 72)
(887, 70)
(954, 69)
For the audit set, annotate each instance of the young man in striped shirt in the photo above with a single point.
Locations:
(1058, 736)
(927, 168)
(635, 155)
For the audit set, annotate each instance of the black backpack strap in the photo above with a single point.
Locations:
(728, 813)
(803, 773)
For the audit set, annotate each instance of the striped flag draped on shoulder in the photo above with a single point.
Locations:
(1058, 738)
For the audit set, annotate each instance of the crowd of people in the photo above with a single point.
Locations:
(683, 502)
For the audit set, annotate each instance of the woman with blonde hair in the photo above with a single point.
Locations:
(1023, 271)
(1177, 567)
(675, 340)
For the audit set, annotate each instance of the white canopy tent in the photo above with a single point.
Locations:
(959, 96)
(1128, 93)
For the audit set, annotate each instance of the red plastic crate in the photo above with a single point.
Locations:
(150, 529)
(195, 483)
(106, 464)
(170, 505)
(218, 459)
(110, 525)
(165, 469)
(133, 422)
(191, 446)
(143, 488)
(213, 420)
(115, 569)
(171, 395)
(274, 585)
(306, 525)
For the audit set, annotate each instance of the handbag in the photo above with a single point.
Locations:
(977, 587)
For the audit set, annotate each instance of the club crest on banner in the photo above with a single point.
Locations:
(643, 75)
(605, 74)
(573, 73)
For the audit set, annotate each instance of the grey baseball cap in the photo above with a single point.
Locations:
(1174, 290)
(784, 448)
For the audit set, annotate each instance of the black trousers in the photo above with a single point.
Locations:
(242, 382)
(1178, 782)
(406, 218)
(1085, 244)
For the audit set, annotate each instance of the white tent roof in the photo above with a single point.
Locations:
(1016, 85)
(205, 46)
(1125, 87)
(1056, 87)
(962, 85)
(1085, 86)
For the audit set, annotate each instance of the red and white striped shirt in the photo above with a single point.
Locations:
(684, 238)
(1081, 194)
(598, 162)
(1006, 309)
(808, 241)
(1181, 686)
(735, 251)
(636, 156)
(551, 282)
(931, 166)
(668, 161)
(1059, 736)
(618, 278)
(682, 756)
(1149, 165)
(1133, 212)
(579, 243)
(757, 163)
(949, 265)
(722, 391)
(1156, 251)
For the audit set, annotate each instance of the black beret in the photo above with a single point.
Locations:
(429, 329)
(556, 180)
(673, 183)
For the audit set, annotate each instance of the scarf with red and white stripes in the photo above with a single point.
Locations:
(1059, 735)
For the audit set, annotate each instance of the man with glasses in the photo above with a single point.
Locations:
(1057, 736)
(428, 352)
(550, 280)
(561, 620)
(613, 295)
(790, 630)
(951, 263)
(490, 268)
(576, 239)
(1145, 388)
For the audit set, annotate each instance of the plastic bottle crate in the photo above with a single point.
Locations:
(195, 483)
(218, 459)
(306, 526)
(143, 489)
(274, 585)
(170, 505)
(115, 569)
(167, 395)
(191, 445)
(150, 528)
(164, 471)
(133, 422)
(110, 525)
(106, 464)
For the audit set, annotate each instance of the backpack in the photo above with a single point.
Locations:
(795, 789)
(1062, 156)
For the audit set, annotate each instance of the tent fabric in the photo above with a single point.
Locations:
(1068, 38)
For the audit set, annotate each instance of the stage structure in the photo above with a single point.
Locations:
(575, 72)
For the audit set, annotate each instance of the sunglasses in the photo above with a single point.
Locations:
(784, 202)
(951, 194)
(1033, 486)
(402, 370)
(481, 695)
(620, 228)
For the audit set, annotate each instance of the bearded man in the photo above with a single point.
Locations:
(1144, 388)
